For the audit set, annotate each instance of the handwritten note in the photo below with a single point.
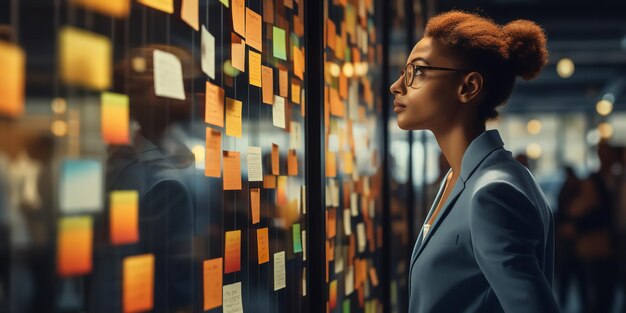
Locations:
(138, 282)
(212, 283)
(239, 15)
(214, 105)
(295, 135)
(267, 75)
(263, 245)
(212, 155)
(295, 91)
(233, 117)
(255, 204)
(168, 75)
(279, 43)
(279, 271)
(232, 251)
(207, 47)
(74, 245)
(124, 216)
(255, 168)
(254, 35)
(254, 68)
(278, 112)
(238, 52)
(232, 298)
(283, 82)
(232, 170)
(114, 118)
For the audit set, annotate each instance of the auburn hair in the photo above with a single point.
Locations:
(499, 53)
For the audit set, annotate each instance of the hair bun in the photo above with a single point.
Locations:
(527, 49)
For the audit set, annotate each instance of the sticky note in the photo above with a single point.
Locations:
(269, 181)
(224, 2)
(254, 36)
(85, 58)
(124, 216)
(255, 168)
(74, 245)
(288, 3)
(254, 68)
(232, 251)
(138, 283)
(267, 76)
(275, 159)
(373, 276)
(115, 8)
(81, 186)
(281, 191)
(346, 306)
(214, 105)
(263, 245)
(292, 163)
(166, 6)
(255, 204)
(232, 298)
(332, 297)
(238, 52)
(212, 283)
(232, 170)
(298, 62)
(303, 245)
(297, 241)
(12, 80)
(350, 280)
(115, 118)
(331, 222)
(295, 91)
(361, 238)
(233, 117)
(212, 155)
(279, 271)
(347, 225)
(331, 164)
(279, 45)
(189, 13)
(295, 135)
(278, 112)
(239, 15)
(283, 83)
(207, 47)
(168, 75)
(268, 12)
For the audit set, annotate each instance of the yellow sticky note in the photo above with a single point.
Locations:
(12, 63)
(238, 52)
(84, 58)
(239, 15)
(115, 8)
(189, 13)
(254, 67)
(213, 154)
(267, 75)
(166, 6)
(214, 105)
(232, 251)
(224, 2)
(263, 253)
(232, 170)
(124, 216)
(233, 117)
(115, 118)
(138, 283)
(212, 283)
(254, 36)
(74, 245)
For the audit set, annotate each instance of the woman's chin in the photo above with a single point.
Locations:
(406, 125)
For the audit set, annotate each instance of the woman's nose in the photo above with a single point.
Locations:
(397, 88)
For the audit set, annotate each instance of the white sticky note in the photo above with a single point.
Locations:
(350, 280)
(333, 143)
(339, 259)
(168, 76)
(295, 135)
(255, 168)
(304, 282)
(81, 186)
(303, 197)
(361, 239)
(347, 225)
(278, 112)
(354, 204)
(279, 271)
(231, 298)
(208, 53)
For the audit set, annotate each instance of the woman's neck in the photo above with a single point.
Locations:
(454, 141)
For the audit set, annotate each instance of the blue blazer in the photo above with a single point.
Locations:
(491, 248)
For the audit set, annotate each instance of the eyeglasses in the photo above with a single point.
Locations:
(412, 70)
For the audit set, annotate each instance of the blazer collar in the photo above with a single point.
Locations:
(478, 150)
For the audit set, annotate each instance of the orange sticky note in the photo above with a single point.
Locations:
(138, 283)
(262, 245)
(233, 117)
(166, 6)
(331, 222)
(332, 297)
(12, 63)
(331, 37)
(275, 160)
(269, 181)
(115, 8)
(238, 52)
(85, 58)
(74, 245)
(292, 163)
(283, 82)
(298, 62)
(232, 170)
(281, 191)
(255, 204)
(239, 11)
(373, 276)
(189, 13)
(214, 105)
(212, 155)
(124, 216)
(267, 75)
(212, 283)
(331, 164)
(232, 252)
(336, 104)
(268, 12)
(295, 91)
(254, 37)
(254, 68)
(114, 118)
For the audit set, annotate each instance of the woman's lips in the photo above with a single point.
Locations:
(398, 106)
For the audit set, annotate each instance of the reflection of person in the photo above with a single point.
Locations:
(487, 244)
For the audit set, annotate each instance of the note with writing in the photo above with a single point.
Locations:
(138, 282)
(232, 251)
(214, 105)
(233, 117)
(263, 245)
(278, 112)
(254, 36)
(232, 298)
(212, 283)
(232, 170)
(213, 153)
(279, 271)
(255, 168)
(207, 52)
(168, 75)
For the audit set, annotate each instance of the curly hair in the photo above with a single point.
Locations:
(499, 53)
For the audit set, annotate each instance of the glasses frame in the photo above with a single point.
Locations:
(408, 80)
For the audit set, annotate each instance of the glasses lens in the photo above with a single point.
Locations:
(408, 75)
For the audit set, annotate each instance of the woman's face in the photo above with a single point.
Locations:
(431, 101)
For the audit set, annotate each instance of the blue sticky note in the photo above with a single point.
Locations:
(81, 186)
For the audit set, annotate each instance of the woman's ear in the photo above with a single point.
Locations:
(471, 87)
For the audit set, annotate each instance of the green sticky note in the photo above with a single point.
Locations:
(297, 241)
(278, 37)
(224, 2)
(346, 306)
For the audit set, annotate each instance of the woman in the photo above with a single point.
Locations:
(487, 244)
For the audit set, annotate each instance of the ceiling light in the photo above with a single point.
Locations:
(565, 68)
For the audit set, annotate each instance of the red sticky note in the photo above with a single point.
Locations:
(232, 170)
